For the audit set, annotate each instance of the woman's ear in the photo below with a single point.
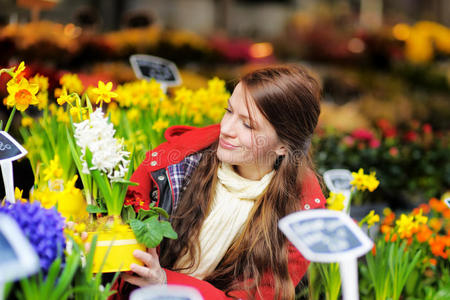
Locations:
(281, 150)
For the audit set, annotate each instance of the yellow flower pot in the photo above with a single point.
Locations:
(120, 256)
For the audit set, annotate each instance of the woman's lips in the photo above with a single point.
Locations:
(227, 145)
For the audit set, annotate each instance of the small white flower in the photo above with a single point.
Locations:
(108, 156)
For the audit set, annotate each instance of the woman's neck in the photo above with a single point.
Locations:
(252, 172)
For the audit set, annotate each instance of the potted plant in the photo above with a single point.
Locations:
(105, 171)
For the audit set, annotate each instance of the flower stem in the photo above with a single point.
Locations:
(11, 116)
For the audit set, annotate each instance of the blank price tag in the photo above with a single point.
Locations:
(162, 70)
(18, 258)
(167, 292)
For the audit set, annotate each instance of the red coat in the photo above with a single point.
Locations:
(183, 141)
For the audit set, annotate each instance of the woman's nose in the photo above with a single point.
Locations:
(227, 125)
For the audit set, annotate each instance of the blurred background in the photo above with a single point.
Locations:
(384, 67)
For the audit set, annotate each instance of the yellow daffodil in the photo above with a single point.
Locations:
(371, 182)
(43, 100)
(133, 114)
(64, 97)
(358, 179)
(183, 95)
(22, 94)
(103, 91)
(405, 226)
(216, 85)
(420, 219)
(18, 195)
(17, 75)
(335, 201)
(62, 116)
(53, 170)
(372, 218)
(40, 80)
(27, 121)
(72, 83)
(160, 124)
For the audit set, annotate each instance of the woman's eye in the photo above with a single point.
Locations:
(247, 125)
(228, 110)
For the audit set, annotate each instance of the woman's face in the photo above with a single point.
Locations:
(250, 146)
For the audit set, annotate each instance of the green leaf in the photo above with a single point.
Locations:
(142, 214)
(151, 231)
(128, 213)
(95, 209)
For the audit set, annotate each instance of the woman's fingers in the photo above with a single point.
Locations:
(145, 257)
(141, 271)
(134, 280)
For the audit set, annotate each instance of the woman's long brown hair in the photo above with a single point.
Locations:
(287, 96)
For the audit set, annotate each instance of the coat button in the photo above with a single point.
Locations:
(154, 154)
(153, 163)
(317, 200)
(161, 178)
(307, 206)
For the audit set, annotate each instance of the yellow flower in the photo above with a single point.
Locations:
(160, 124)
(27, 121)
(133, 114)
(43, 99)
(75, 113)
(64, 97)
(420, 219)
(54, 170)
(22, 94)
(71, 203)
(405, 225)
(372, 218)
(371, 182)
(17, 74)
(183, 95)
(216, 85)
(104, 92)
(40, 80)
(335, 201)
(358, 179)
(62, 116)
(72, 83)
(18, 195)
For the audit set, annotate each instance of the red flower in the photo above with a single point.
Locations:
(427, 128)
(410, 136)
(383, 124)
(390, 132)
(362, 134)
(374, 143)
(393, 151)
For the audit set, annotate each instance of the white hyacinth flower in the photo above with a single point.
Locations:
(108, 155)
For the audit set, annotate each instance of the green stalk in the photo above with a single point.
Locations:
(11, 116)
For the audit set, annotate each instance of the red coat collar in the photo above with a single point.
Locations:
(181, 142)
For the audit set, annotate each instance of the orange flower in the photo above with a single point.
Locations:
(437, 246)
(389, 219)
(437, 205)
(386, 229)
(425, 208)
(390, 238)
(424, 234)
(374, 250)
(446, 213)
(432, 261)
(435, 224)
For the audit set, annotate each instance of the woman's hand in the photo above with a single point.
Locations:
(150, 273)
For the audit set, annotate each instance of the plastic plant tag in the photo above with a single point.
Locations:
(18, 258)
(162, 70)
(329, 236)
(447, 201)
(166, 292)
(338, 181)
(10, 150)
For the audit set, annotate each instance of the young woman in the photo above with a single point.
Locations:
(226, 187)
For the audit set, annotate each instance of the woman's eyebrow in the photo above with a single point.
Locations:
(240, 115)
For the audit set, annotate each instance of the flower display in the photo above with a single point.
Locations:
(43, 228)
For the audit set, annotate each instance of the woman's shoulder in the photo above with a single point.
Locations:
(312, 195)
(181, 142)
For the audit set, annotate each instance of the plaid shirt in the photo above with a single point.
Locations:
(180, 175)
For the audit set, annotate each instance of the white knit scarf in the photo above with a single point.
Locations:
(233, 201)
